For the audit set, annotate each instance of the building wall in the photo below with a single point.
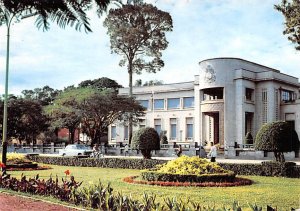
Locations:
(251, 96)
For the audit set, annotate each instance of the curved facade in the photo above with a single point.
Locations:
(236, 96)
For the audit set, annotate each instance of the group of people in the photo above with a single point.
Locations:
(212, 153)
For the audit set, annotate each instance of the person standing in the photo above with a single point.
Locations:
(213, 152)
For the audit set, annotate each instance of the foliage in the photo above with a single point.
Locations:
(190, 166)
(189, 169)
(277, 137)
(276, 169)
(163, 137)
(94, 109)
(145, 139)
(100, 83)
(148, 83)
(290, 9)
(235, 182)
(248, 138)
(43, 95)
(279, 191)
(137, 33)
(50, 187)
(72, 13)
(25, 119)
(102, 163)
(16, 158)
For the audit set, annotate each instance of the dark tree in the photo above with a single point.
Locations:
(290, 9)
(137, 33)
(101, 84)
(94, 109)
(277, 137)
(145, 139)
(25, 120)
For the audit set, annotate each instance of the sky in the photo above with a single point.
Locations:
(202, 29)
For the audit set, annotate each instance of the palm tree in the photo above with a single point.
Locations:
(71, 13)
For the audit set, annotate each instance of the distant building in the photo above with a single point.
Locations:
(228, 98)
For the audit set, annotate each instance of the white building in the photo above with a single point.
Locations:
(228, 98)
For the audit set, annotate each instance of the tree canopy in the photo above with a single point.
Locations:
(137, 33)
(73, 13)
(94, 109)
(25, 119)
(291, 12)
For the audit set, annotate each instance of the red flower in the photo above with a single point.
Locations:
(67, 172)
(2, 165)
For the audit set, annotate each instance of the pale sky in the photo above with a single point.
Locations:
(203, 29)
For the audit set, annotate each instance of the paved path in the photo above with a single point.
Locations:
(19, 203)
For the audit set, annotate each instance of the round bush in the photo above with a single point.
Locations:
(145, 139)
(277, 137)
(189, 169)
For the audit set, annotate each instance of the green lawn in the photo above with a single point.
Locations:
(281, 192)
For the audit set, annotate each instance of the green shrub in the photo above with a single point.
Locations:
(189, 169)
(145, 139)
(277, 137)
(102, 163)
(167, 177)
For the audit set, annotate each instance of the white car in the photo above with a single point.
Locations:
(75, 150)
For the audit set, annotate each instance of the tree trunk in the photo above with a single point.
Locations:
(279, 156)
(130, 95)
(71, 134)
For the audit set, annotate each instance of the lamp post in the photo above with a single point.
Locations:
(4, 128)
(8, 21)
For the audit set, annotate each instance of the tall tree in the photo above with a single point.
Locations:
(137, 33)
(62, 114)
(94, 109)
(291, 12)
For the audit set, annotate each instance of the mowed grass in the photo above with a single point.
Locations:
(282, 193)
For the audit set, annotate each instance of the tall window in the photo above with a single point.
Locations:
(113, 132)
(189, 128)
(173, 103)
(144, 103)
(157, 125)
(173, 124)
(159, 104)
(188, 102)
(264, 106)
(249, 94)
(126, 132)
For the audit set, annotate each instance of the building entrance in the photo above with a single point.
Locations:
(211, 130)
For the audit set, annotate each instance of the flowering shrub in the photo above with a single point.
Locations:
(14, 158)
(190, 166)
(188, 169)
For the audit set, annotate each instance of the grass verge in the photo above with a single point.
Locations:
(279, 192)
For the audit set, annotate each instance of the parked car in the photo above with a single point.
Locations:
(75, 150)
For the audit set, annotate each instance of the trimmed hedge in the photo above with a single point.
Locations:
(102, 163)
(269, 168)
(165, 177)
(266, 169)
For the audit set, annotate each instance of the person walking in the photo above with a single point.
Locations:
(213, 152)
